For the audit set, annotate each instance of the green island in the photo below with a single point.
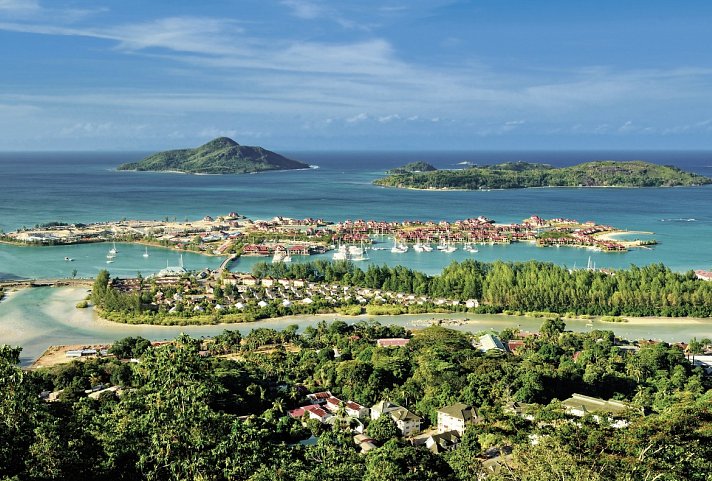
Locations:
(219, 156)
(362, 402)
(419, 166)
(517, 175)
(322, 287)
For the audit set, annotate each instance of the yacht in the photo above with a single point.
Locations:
(342, 254)
(470, 248)
(418, 247)
(398, 248)
(427, 248)
(449, 249)
(113, 250)
(356, 250)
(145, 254)
(69, 259)
(281, 256)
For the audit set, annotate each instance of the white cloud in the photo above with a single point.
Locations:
(19, 6)
(389, 118)
(357, 118)
(304, 9)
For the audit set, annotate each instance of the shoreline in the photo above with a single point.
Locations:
(491, 189)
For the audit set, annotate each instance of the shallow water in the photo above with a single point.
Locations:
(39, 317)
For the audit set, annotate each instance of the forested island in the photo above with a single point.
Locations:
(333, 403)
(419, 166)
(219, 156)
(517, 175)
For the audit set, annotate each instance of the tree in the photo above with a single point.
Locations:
(382, 429)
(397, 462)
(551, 328)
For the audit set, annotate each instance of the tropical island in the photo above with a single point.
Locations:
(219, 156)
(517, 175)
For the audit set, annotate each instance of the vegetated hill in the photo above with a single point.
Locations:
(219, 156)
(514, 175)
(419, 166)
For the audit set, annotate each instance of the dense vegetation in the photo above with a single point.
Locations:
(514, 175)
(219, 156)
(653, 290)
(419, 166)
(183, 415)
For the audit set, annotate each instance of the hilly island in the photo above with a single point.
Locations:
(517, 175)
(219, 156)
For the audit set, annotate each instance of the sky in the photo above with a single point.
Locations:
(356, 74)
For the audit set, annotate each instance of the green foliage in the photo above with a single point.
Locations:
(382, 429)
(219, 156)
(130, 347)
(419, 166)
(521, 174)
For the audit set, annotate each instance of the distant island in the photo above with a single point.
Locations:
(419, 166)
(219, 156)
(517, 175)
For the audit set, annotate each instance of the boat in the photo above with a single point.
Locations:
(418, 247)
(145, 254)
(281, 256)
(68, 259)
(342, 254)
(356, 250)
(398, 248)
(441, 246)
(449, 249)
(470, 248)
(427, 248)
(113, 250)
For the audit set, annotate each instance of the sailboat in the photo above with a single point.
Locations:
(145, 254)
(113, 250)
(398, 248)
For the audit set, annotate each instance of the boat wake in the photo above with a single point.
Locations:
(679, 219)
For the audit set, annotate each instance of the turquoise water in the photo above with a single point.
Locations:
(38, 188)
(39, 317)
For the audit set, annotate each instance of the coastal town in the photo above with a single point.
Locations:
(282, 238)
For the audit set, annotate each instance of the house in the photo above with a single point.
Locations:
(489, 342)
(351, 408)
(395, 342)
(407, 422)
(580, 405)
(312, 412)
(319, 397)
(456, 417)
(381, 408)
(441, 442)
(364, 442)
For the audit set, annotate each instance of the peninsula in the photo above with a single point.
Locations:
(219, 156)
(517, 175)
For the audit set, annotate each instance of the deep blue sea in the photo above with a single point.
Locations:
(84, 187)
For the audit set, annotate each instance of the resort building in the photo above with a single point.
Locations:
(456, 418)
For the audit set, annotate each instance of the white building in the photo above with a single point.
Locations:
(456, 418)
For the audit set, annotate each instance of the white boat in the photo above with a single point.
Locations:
(427, 248)
(113, 250)
(441, 246)
(418, 247)
(342, 254)
(281, 256)
(355, 251)
(449, 249)
(470, 248)
(69, 259)
(398, 248)
(145, 254)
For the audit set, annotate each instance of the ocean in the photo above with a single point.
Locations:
(37, 188)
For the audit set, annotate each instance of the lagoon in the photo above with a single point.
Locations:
(36, 318)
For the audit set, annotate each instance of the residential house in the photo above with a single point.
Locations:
(456, 417)
(395, 342)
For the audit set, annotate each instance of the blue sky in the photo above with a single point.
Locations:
(356, 75)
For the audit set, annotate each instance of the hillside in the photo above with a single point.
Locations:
(419, 166)
(219, 156)
(515, 175)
